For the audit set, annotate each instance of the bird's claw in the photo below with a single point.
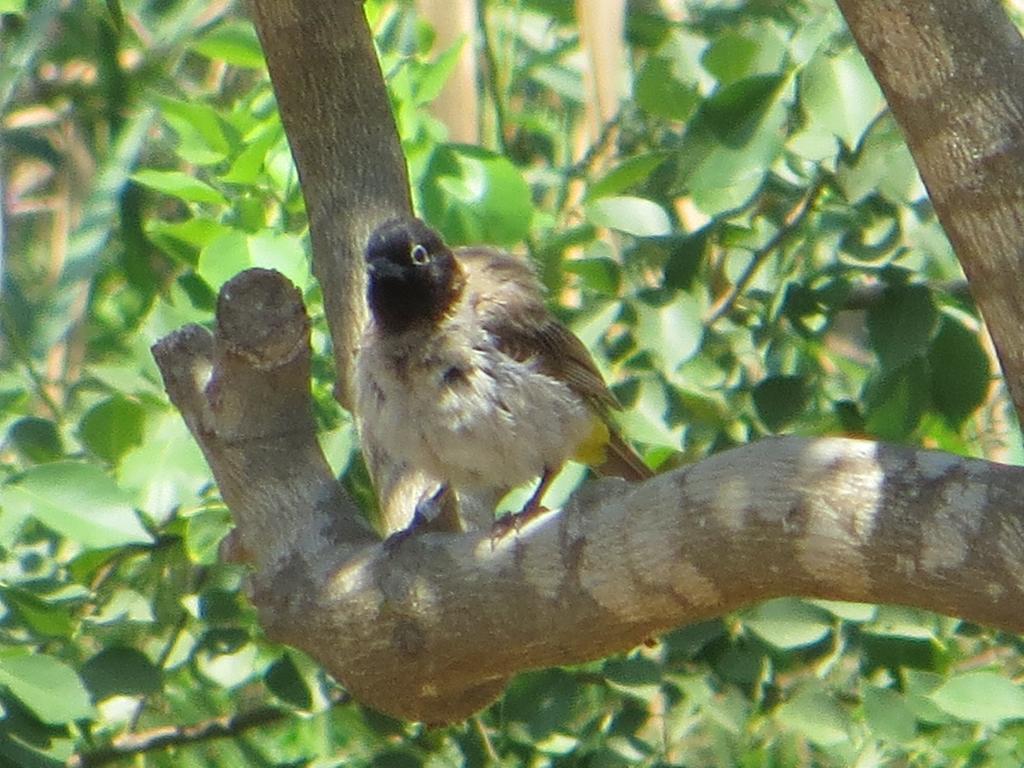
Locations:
(416, 525)
(512, 522)
(433, 513)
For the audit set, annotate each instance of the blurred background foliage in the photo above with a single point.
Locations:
(721, 208)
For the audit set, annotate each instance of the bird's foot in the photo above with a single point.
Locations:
(512, 522)
(431, 514)
(417, 525)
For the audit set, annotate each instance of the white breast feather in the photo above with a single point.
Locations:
(497, 426)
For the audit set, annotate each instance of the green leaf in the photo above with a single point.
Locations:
(888, 715)
(592, 325)
(781, 400)
(662, 91)
(632, 215)
(672, 331)
(857, 613)
(918, 686)
(541, 703)
(873, 236)
(48, 687)
(112, 427)
(901, 324)
(251, 162)
(79, 502)
(434, 75)
(905, 623)
(36, 439)
(788, 623)
(183, 472)
(883, 165)
(685, 256)
(200, 131)
(838, 91)
(960, 372)
(732, 141)
(896, 401)
(229, 670)
(232, 42)
(183, 239)
(476, 196)
(205, 531)
(629, 174)
(646, 418)
(43, 617)
(636, 676)
(815, 715)
(980, 697)
(602, 275)
(121, 671)
(235, 251)
(285, 681)
(733, 56)
(179, 185)
(124, 605)
(23, 754)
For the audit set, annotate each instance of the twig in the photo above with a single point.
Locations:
(581, 168)
(866, 295)
(491, 62)
(130, 744)
(161, 660)
(795, 218)
(21, 354)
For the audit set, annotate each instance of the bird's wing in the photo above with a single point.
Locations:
(508, 301)
(509, 304)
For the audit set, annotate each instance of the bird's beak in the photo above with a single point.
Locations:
(378, 268)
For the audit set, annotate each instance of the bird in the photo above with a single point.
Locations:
(464, 373)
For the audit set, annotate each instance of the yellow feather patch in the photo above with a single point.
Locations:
(591, 450)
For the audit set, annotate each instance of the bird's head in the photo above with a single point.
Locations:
(414, 277)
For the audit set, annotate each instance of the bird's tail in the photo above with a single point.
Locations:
(620, 460)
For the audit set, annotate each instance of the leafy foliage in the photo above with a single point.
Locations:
(747, 251)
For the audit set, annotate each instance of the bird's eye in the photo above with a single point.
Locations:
(419, 254)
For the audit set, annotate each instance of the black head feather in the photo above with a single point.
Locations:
(413, 276)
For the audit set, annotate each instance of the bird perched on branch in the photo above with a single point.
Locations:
(465, 374)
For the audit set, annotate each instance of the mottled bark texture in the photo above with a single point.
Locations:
(432, 627)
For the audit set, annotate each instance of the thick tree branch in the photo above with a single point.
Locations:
(430, 629)
(951, 71)
(335, 110)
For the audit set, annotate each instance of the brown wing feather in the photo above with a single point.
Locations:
(509, 303)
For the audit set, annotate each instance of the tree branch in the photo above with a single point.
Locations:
(335, 110)
(793, 221)
(432, 628)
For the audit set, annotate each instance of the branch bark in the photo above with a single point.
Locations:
(432, 628)
(335, 110)
(951, 72)
(336, 114)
